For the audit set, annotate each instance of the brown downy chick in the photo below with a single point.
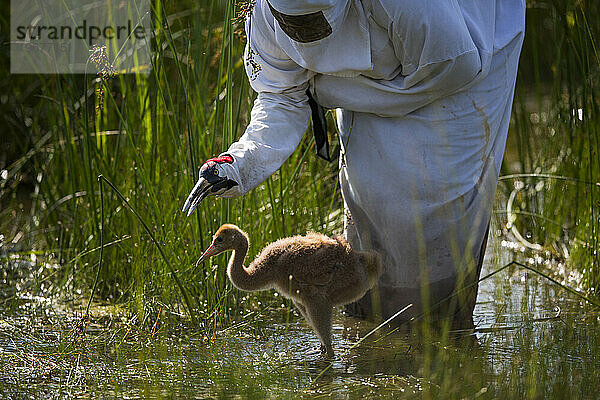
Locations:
(315, 271)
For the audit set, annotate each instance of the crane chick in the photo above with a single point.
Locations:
(315, 271)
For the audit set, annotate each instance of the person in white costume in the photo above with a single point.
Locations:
(423, 92)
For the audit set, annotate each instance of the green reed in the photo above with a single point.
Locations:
(148, 136)
(149, 139)
(554, 142)
(151, 133)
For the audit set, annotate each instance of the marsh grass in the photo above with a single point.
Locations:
(151, 133)
(555, 142)
(149, 137)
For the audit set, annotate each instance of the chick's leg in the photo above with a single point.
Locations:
(319, 315)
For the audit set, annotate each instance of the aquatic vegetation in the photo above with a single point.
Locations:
(553, 164)
(531, 340)
(147, 136)
(148, 140)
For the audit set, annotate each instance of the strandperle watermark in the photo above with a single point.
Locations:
(80, 36)
(85, 31)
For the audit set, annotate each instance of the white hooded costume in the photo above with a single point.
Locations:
(423, 92)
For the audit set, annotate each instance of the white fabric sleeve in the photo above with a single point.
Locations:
(277, 125)
(281, 111)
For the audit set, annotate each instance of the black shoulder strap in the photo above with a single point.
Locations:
(319, 127)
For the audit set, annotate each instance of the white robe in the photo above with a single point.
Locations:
(423, 92)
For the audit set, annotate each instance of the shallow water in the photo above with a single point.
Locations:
(532, 339)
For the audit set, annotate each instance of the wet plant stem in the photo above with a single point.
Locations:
(158, 246)
(87, 308)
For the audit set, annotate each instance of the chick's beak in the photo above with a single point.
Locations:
(208, 253)
(199, 192)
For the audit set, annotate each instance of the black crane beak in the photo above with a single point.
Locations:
(199, 192)
(210, 182)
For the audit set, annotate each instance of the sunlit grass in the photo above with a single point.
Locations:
(149, 139)
(153, 132)
(555, 137)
